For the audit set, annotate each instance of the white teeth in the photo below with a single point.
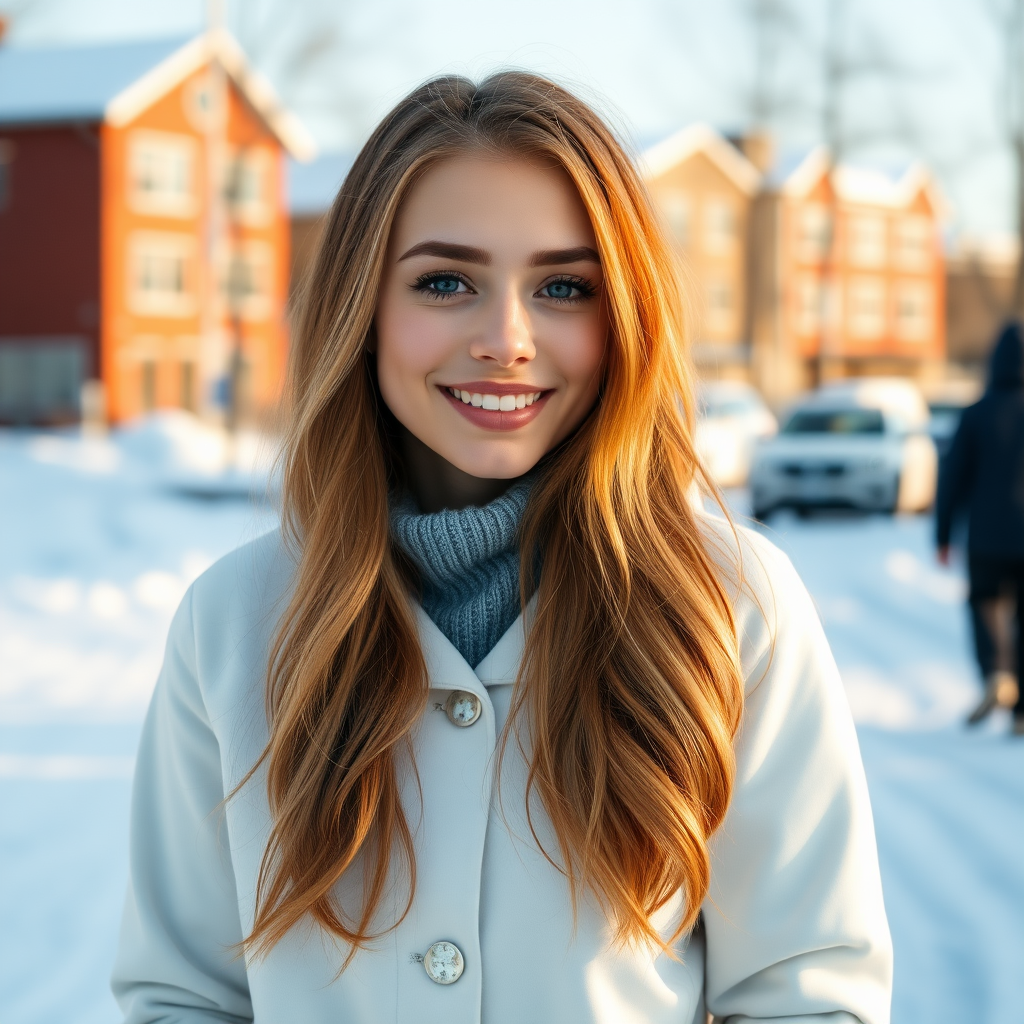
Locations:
(496, 403)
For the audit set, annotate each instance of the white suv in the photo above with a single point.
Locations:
(860, 443)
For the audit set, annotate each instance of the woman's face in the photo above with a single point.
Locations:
(491, 329)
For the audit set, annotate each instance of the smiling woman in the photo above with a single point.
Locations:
(501, 726)
(490, 342)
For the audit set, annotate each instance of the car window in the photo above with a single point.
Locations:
(835, 421)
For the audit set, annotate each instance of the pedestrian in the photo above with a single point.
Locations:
(501, 725)
(982, 476)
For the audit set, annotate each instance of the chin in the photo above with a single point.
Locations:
(494, 466)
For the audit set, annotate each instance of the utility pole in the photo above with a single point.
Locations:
(834, 80)
(214, 263)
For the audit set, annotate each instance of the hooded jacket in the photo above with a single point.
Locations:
(982, 475)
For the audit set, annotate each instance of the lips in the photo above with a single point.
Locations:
(496, 406)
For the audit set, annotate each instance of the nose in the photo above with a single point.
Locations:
(506, 338)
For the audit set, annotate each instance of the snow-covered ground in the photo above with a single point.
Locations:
(101, 538)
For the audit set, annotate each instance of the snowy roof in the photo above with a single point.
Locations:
(702, 138)
(116, 82)
(72, 83)
(869, 185)
(312, 186)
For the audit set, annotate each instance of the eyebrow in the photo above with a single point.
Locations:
(471, 254)
(448, 251)
(556, 257)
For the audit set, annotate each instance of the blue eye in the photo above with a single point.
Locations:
(441, 285)
(568, 289)
(559, 290)
(445, 285)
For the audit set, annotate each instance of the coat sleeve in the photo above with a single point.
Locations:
(794, 921)
(178, 959)
(955, 478)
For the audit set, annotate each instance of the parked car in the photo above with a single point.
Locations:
(859, 443)
(732, 418)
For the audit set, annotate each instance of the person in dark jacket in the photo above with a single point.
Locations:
(982, 476)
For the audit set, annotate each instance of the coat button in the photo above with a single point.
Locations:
(462, 708)
(443, 962)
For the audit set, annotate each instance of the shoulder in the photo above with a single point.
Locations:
(241, 593)
(769, 600)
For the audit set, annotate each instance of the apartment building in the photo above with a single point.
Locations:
(833, 271)
(143, 228)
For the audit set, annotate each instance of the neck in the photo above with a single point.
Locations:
(436, 484)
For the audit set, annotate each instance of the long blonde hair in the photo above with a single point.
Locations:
(630, 683)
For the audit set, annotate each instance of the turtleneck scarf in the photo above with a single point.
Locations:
(468, 561)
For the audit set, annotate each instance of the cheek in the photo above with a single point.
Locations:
(581, 353)
(410, 344)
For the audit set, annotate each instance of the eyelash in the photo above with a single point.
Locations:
(581, 284)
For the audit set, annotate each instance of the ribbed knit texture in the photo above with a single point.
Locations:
(469, 566)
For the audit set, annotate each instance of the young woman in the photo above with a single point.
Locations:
(501, 726)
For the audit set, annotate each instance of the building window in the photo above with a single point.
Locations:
(808, 305)
(866, 306)
(248, 185)
(6, 159)
(676, 205)
(720, 227)
(248, 285)
(162, 174)
(162, 274)
(913, 311)
(867, 240)
(41, 379)
(188, 385)
(915, 243)
(721, 307)
(148, 373)
(813, 232)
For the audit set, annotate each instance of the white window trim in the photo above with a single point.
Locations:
(866, 326)
(169, 204)
(166, 304)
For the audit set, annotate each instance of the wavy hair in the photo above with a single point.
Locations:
(629, 690)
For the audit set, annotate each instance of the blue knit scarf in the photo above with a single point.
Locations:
(468, 563)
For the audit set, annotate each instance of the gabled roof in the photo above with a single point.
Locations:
(39, 85)
(116, 82)
(894, 188)
(702, 138)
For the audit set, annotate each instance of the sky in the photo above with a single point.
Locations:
(923, 77)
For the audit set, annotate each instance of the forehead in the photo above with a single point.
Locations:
(494, 202)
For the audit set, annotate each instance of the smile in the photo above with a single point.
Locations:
(495, 406)
(496, 403)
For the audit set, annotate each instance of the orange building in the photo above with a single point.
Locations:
(705, 188)
(797, 272)
(861, 268)
(143, 229)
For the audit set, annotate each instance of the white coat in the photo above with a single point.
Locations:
(793, 928)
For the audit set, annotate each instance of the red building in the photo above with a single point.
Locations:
(143, 228)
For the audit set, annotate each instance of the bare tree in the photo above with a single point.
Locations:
(1007, 17)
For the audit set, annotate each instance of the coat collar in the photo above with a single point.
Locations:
(446, 667)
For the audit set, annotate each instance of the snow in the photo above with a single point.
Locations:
(104, 535)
